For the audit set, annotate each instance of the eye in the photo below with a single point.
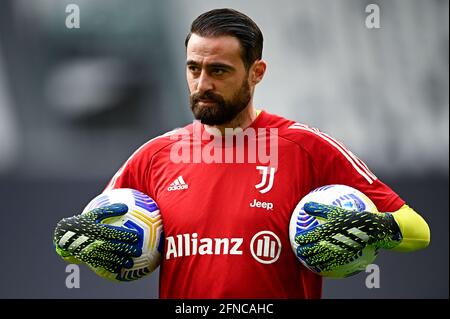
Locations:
(193, 68)
(218, 72)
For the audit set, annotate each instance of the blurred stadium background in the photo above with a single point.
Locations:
(75, 103)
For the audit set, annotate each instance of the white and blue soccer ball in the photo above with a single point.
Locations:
(144, 217)
(342, 196)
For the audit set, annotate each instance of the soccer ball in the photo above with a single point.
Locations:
(337, 195)
(143, 216)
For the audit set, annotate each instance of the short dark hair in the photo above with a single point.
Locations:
(222, 22)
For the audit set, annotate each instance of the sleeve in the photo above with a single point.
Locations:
(338, 165)
(334, 164)
(134, 173)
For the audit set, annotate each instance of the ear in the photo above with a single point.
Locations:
(257, 71)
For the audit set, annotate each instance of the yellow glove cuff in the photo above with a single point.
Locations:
(414, 229)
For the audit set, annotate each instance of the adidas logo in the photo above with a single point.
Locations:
(178, 184)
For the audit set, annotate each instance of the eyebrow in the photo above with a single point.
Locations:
(211, 65)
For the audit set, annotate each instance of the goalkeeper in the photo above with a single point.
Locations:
(226, 220)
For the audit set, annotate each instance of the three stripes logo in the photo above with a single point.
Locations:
(71, 241)
(306, 222)
(178, 184)
(350, 242)
(265, 247)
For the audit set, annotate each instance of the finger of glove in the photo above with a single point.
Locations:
(326, 252)
(122, 248)
(72, 228)
(346, 228)
(113, 210)
(328, 243)
(320, 232)
(112, 266)
(309, 236)
(82, 225)
(318, 253)
(362, 227)
(68, 243)
(308, 250)
(317, 260)
(96, 215)
(323, 211)
(63, 226)
(335, 261)
(118, 233)
(340, 235)
(108, 260)
(125, 262)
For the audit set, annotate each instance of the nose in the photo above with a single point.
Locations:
(204, 83)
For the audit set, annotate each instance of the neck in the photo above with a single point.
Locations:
(242, 120)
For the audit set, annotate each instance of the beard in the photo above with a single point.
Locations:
(221, 111)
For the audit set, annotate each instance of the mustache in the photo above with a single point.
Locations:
(208, 95)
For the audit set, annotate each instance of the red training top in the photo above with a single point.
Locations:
(226, 204)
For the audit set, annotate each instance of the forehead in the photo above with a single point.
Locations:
(225, 49)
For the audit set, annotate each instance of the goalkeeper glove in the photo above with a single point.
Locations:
(344, 235)
(85, 238)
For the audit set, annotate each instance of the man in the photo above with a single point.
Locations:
(236, 204)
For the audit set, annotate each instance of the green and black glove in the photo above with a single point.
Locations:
(343, 235)
(84, 238)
